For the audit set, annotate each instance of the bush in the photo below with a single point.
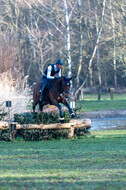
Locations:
(39, 134)
(37, 118)
(44, 118)
(2, 115)
(5, 135)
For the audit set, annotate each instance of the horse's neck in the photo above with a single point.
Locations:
(58, 84)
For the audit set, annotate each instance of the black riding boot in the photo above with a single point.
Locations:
(41, 97)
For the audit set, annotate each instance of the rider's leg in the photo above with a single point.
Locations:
(44, 80)
(41, 97)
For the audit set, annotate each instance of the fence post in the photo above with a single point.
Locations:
(112, 93)
(12, 128)
(82, 94)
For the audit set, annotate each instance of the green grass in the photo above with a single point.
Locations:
(95, 162)
(104, 97)
(90, 102)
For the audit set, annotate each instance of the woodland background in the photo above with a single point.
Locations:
(88, 35)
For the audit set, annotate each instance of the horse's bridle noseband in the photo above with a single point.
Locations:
(65, 91)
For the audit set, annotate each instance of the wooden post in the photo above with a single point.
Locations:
(112, 93)
(71, 132)
(82, 94)
(12, 128)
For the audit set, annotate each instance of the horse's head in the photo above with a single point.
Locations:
(66, 86)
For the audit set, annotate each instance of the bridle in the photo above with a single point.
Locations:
(65, 83)
(63, 92)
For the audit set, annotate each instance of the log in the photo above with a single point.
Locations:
(75, 123)
(79, 123)
(4, 125)
(44, 126)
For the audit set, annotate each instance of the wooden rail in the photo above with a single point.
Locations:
(75, 123)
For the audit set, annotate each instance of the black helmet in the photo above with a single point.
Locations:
(60, 62)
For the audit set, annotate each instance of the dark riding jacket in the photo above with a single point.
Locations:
(49, 73)
(53, 72)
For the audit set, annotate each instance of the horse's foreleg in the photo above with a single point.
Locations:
(33, 107)
(60, 110)
(40, 106)
(72, 114)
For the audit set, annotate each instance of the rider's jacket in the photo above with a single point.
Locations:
(51, 70)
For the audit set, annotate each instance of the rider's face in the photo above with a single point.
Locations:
(58, 66)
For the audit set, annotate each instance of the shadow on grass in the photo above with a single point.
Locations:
(55, 182)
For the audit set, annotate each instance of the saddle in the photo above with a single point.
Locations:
(47, 87)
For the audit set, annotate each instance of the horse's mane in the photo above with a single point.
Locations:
(63, 78)
(58, 81)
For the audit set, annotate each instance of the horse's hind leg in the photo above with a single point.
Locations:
(40, 106)
(34, 105)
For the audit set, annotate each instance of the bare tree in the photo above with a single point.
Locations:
(95, 48)
(114, 44)
(97, 57)
(80, 44)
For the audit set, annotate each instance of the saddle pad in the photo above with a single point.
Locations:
(40, 89)
(45, 90)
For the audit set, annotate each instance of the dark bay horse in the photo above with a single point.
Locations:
(57, 93)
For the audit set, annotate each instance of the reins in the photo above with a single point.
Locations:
(60, 87)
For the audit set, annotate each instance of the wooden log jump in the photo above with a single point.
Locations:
(75, 123)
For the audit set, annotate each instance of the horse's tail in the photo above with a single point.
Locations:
(36, 95)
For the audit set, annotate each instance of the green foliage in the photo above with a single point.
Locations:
(2, 114)
(81, 132)
(37, 118)
(5, 135)
(38, 135)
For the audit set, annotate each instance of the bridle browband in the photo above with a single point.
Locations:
(66, 84)
(62, 90)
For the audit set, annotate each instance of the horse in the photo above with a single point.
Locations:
(57, 93)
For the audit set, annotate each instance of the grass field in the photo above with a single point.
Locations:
(97, 162)
(90, 102)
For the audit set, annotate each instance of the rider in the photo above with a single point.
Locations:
(49, 73)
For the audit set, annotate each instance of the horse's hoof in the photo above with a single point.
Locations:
(61, 119)
(73, 116)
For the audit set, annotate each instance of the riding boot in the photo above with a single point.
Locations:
(41, 97)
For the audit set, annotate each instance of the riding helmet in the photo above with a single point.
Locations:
(60, 62)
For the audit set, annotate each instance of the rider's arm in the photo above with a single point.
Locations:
(49, 69)
(59, 73)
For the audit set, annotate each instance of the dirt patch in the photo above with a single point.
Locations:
(110, 113)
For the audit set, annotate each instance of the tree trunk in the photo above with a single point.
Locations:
(68, 47)
(80, 45)
(97, 59)
(114, 46)
(67, 38)
(94, 51)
